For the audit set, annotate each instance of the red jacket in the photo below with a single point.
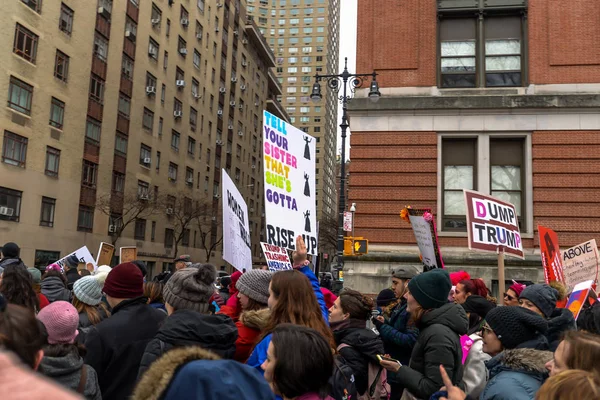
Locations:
(250, 325)
(43, 300)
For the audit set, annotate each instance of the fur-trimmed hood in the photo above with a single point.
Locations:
(256, 319)
(528, 361)
(156, 380)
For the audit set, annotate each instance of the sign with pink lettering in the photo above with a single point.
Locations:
(492, 225)
(289, 184)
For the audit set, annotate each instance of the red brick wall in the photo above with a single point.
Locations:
(564, 45)
(398, 40)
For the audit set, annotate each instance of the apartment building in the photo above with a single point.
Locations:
(496, 96)
(304, 35)
(134, 108)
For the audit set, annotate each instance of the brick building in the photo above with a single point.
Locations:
(497, 96)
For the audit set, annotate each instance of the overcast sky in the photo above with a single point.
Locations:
(347, 49)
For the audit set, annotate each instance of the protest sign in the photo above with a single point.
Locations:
(550, 253)
(289, 184)
(83, 255)
(236, 231)
(277, 257)
(577, 299)
(580, 263)
(127, 254)
(347, 221)
(424, 229)
(492, 225)
(105, 254)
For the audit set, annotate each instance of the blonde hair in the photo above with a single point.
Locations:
(573, 384)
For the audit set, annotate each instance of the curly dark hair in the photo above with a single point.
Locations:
(356, 304)
(17, 287)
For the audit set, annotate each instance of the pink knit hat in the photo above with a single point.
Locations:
(61, 320)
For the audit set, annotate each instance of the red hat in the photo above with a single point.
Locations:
(517, 288)
(330, 298)
(125, 281)
(458, 276)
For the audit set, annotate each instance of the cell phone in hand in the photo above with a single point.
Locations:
(375, 313)
(381, 357)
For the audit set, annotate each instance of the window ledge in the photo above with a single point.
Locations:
(19, 113)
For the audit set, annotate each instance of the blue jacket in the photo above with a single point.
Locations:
(399, 334)
(516, 374)
(259, 354)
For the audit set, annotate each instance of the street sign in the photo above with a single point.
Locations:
(361, 246)
(347, 221)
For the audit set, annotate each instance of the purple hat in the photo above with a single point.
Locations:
(61, 320)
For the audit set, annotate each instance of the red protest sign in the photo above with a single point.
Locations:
(550, 253)
(492, 225)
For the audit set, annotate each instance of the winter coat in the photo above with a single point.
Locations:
(216, 333)
(249, 326)
(116, 345)
(159, 306)
(43, 300)
(363, 347)
(560, 321)
(516, 374)
(438, 343)
(67, 371)
(9, 261)
(474, 371)
(179, 375)
(399, 335)
(85, 324)
(72, 277)
(54, 289)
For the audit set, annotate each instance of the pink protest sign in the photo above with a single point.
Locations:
(492, 225)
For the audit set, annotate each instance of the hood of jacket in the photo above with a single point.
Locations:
(451, 315)
(217, 332)
(61, 367)
(10, 261)
(256, 319)
(54, 289)
(156, 380)
(362, 340)
(560, 320)
(527, 361)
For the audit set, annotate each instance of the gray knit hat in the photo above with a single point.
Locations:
(543, 296)
(191, 288)
(255, 284)
(36, 274)
(88, 290)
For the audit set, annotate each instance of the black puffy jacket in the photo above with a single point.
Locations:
(438, 343)
(560, 321)
(363, 346)
(183, 328)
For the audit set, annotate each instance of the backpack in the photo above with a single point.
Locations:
(341, 382)
(378, 387)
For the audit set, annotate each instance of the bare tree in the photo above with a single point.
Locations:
(328, 234)
(123, 210)
(208, 227)
(181, 212)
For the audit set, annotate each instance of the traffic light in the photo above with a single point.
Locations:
(361, 246)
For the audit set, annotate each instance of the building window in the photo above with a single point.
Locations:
(57, 113)
(181, 46)
(459, 159)
(143, 190)
(158, 161)
(165, 60)
(195, 88)
(52, 161)
(148, 120)
(145, 155)
(118, 182)
(127, 68)
(65, 22)
(153, 48)
(20, 95)
(92, 130)
(124, 106)
(179, 75)
(169, 238)
(47, 213)
(184, 15)
(177, 106)
(100, 47)
(45, 257)
(150, 80)
(175, 140)
(90, 174)
(140, 229)
(462, 62)
(193, 118)
(506, 171)
(160, 126)
(85, 219)
(96, 88)
(197, 59)
(191, 146)
(153, 231)
(189, 176)
(25, 43)
(10, 204)
(163, 90)
(14, 150)
(172, 172)
(168, 30)
(61, 66)
(185, 239)
(121, 144)
(35, 5)
(155, 17)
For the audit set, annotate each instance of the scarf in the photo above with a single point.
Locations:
(348, 323)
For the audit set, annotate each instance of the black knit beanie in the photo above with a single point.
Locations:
(478, 305)
(431, 288)
(515, 325)
(543, 296)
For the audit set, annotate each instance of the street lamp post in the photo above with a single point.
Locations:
(337, 82)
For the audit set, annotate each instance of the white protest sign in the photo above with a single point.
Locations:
(277, 257)
(236, 229)
(83, 255)
(580, 263)
(289, 168)
(422, 231)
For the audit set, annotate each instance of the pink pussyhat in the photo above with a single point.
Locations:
(61, 320)
(54, 267)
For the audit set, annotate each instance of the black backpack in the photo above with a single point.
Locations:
(341, 383)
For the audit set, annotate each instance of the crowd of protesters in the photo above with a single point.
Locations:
(257, 334)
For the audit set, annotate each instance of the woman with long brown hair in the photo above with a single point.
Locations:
(294, 297)
(16, 285)
(578, 350)
(87, 300)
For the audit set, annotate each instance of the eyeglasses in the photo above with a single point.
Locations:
(509, 297)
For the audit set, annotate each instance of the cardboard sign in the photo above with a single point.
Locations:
(236, 231)
(277, 257)
(289, 184)
(127, 254)
(580, 263)
(578, 297)
(423, 226)
(492, 224)
(347, 221)
(550, 253)
(84, 256)
(105, 254)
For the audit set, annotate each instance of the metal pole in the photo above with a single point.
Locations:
(353, 230)
(342, 200)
